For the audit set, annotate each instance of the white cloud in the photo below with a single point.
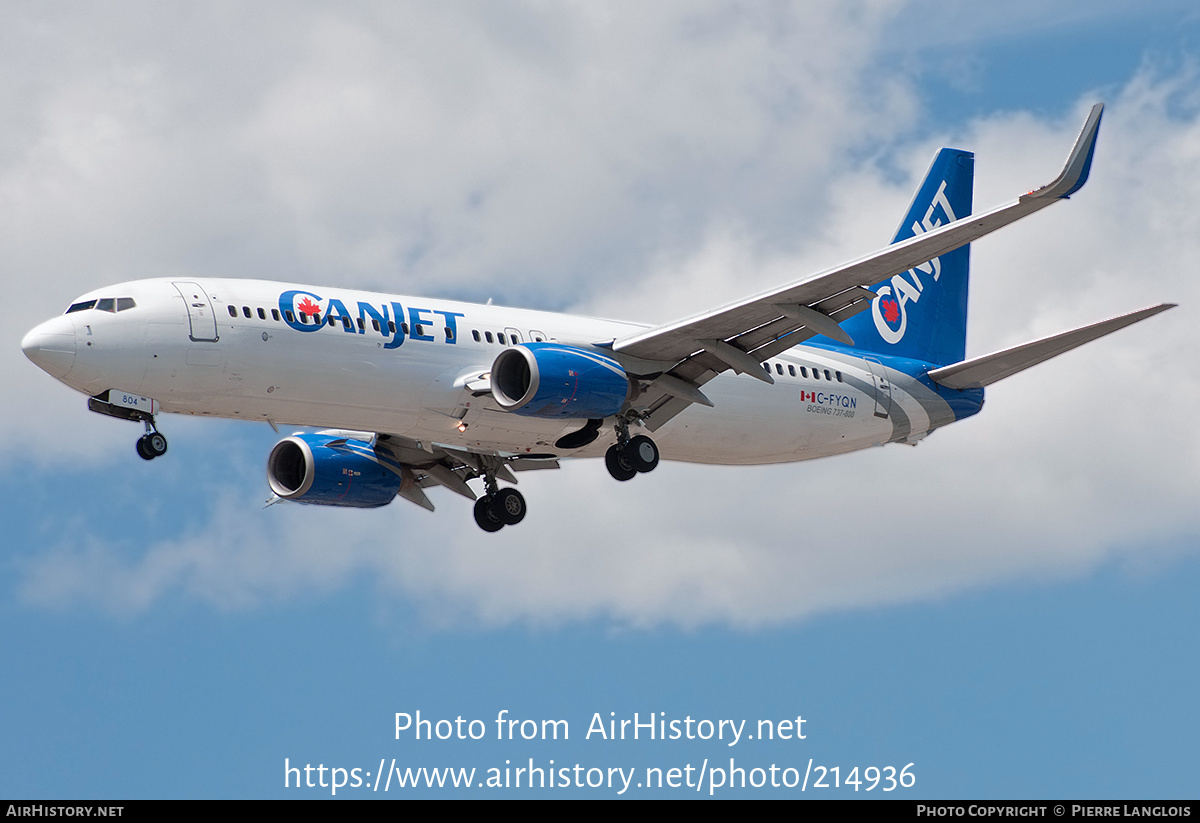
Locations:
(628, 166)
(535, 156)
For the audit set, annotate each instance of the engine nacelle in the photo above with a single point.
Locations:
(318, 469)
(553, 380)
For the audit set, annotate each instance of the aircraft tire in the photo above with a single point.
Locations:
(485, 516)
(143, 449)
(509, 506)
(618, 463)
(156, 444)
(643, 453)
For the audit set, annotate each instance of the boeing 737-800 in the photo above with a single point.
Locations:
(412, 392)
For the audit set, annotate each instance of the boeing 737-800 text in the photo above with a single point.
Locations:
(413, 392)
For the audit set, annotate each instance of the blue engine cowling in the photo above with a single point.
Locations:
(553, 380)
(326, 471)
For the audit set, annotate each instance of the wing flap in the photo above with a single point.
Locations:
(440, 464)
(416, 495)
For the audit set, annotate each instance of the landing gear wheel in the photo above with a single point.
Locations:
(642, 453)
(156, 444)
(618, 463)
(143, 449)
(509, 506)
(485, 516)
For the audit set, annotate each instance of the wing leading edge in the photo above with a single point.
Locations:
(742, 334)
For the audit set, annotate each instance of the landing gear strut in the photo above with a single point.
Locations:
(151, 444)
(630, 455)
(499, 507)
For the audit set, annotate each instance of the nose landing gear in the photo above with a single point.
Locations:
(128, 406)
(152, 444)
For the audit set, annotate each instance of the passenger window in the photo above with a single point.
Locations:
(827, 377)
(418, 330)
(233, 312)
(262, 315)
(303, 318)
(839, 376)
(475, 334)
(792, 371)
(375, 323)
(803, 371)
(246, 311)
(391, 327)
(488, 335)
(779, 368)
(346, 324)
(275, 315)
(362, 325)
(449, 333)
(501, 338)
(124, 303)
(291, 318)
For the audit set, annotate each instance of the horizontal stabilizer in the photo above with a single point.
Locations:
(983, 371)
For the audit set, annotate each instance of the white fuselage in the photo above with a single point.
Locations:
(399, 365)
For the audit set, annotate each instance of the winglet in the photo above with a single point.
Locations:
(1079, 163)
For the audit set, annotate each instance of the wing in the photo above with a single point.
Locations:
(435, 464)
(690, 352)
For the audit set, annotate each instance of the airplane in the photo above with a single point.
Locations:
(410, 392)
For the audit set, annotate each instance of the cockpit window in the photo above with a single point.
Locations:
(104, 304)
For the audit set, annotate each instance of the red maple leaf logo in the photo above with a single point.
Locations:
(891, 309)
(308, 307)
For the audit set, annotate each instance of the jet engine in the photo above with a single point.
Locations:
(326, 471)
(553, 380)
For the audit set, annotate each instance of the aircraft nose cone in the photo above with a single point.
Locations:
(51, 347)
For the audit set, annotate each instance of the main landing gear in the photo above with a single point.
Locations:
(630, 455)
(151, 444)
(504, 508)
(499, 507)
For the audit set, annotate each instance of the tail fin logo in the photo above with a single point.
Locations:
(888, 309)
(891, 319)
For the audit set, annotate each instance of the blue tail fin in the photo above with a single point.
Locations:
(922, 314)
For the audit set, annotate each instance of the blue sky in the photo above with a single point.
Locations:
(1010, 606)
